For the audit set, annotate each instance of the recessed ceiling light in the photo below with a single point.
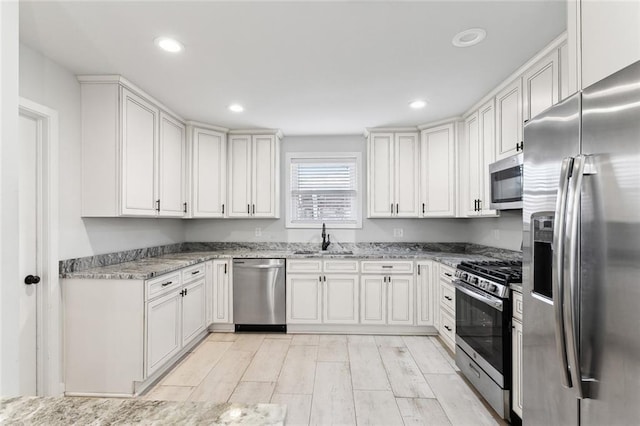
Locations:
(169, 44)
(236, 108)
(469, 37)
(417, 104)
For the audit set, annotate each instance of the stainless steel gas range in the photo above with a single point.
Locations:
(483, 328)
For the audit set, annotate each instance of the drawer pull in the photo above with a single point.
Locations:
(195, 272)
(474, 370)
(387, 266)
(448, 298)
(167, 283)
(447, 327)
(448, 274)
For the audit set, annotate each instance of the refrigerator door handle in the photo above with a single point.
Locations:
(572, 271)
(558, 269)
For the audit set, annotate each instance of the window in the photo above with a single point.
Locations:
(323, 188)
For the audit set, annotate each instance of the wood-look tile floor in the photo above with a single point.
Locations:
(330, 379)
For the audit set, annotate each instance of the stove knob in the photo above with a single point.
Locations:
(493, 287)
(473, 280)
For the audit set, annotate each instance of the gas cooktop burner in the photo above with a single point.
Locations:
(491, 276)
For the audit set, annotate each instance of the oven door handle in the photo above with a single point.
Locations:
(494, 302)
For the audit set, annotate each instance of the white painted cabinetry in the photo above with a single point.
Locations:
(509, 119)
(438, 171)
(387, 293)
(516, 342)
(479, 145)
(541, 85)
(208, 171)
(254, 175)
(447, 308)
(222, 292)
(133, 152)
(318, 292)
(393, 174)
(425, 300)
(164, 334)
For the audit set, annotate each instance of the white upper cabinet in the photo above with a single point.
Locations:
(172, 166)
(254, 176)
(133, 152)
(479, 148)
(438, 172)
(540, 85)
(393, 172)
(509, 119)
(208, 172)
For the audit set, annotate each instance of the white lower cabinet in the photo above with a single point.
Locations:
(424, 294)
(387, 299)
(447, 306)
(222, 292)
(304, 300)
(164, 334)
(516, 354)
(194, 310)
(340, 299)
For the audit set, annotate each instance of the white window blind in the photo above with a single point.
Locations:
(324, 190)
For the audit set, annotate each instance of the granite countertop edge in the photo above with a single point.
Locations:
(151, 267)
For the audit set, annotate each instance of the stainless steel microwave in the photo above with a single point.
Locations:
(505, 177)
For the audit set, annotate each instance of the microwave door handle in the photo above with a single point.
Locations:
(558, 268)
(571, 273)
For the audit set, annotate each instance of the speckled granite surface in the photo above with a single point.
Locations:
(103, 411)
(174, 258)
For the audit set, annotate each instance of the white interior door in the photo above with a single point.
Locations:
(29, 135)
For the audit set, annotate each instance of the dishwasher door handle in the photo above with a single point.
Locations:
(243, 266)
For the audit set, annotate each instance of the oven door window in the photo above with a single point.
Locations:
(481, 327)
(506, 185)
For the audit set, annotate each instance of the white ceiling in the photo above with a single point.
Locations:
(324, 67)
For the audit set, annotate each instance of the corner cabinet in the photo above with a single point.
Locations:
(208, 171)
(393, 174)
(438, 171)
(133, 152)
(254, 175)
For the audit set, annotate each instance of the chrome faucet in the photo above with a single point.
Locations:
(325, 242)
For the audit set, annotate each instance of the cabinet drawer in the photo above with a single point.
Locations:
(448, 296)
(517, 305)
(447, 273)
(306, 265)
(193, 272)
(340, 266)
(162, 284)
(447, 326)
(392, 267)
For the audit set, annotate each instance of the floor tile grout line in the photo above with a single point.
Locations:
(244, 371)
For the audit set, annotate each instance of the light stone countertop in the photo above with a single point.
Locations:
(150, 267)
(54, 411)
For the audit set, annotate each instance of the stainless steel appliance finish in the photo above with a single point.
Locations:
(505, 177)
(483, 332)
(582, 257)
(259, 292)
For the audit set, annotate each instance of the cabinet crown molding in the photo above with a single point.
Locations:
(276, 132)
(201, 125)
(369, 130)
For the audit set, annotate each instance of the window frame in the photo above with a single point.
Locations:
(324, 156)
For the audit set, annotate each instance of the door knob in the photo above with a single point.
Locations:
(31, 279)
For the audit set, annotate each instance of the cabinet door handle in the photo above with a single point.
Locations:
(320, 278)
(418, 269)
(225, 268)
(423, 208)
(185, 207)
(324, 278)
(182, 293)
(223, 209)
(186, 291)
(254, 209)
(248, 209)
(167, 283)
(391, 208)
(397, 208)
(384, 279)
(157, 205)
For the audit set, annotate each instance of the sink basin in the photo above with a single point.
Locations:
(323, 253)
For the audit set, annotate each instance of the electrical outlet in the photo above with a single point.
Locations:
(398, 232)
(258, 232)
(496, 234)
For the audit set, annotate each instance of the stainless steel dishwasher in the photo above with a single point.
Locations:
(259, 295)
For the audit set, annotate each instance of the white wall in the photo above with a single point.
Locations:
(504, 231)
(9, 276)
(427, 230)
(45, 82)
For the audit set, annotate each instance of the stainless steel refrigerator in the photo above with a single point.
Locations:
(581, 252)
